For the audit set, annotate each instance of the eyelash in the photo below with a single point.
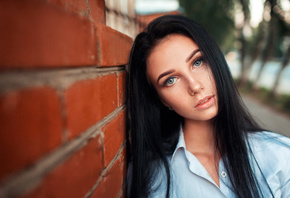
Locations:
(167, 80)
(199, 59)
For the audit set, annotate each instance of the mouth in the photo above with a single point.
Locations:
(205, 102)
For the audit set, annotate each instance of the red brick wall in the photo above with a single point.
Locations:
(62, 88)
(144, 20)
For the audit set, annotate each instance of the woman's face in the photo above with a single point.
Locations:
(182, 78)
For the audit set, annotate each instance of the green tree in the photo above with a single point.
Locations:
(277, 30)
(217, 17)
(274, 91)
(242, 39)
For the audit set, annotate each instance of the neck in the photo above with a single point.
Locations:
(200, 141)
(199, 136)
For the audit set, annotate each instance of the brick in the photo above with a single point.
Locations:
(144, 20)
(31, 126)
(114, 136)
(114, 47)
(121, 88)
(111, 184)
(74, 177)
(88, 101)
(97, 11)
(122, 194)
(78, 7)
(93, 9)
(123, 159)
(39, 34)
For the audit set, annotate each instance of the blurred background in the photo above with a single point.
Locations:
(253, 34)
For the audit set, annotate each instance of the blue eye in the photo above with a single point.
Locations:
(197, 63)
(170, 81)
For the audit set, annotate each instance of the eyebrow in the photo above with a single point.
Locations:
(191, 55)
(164, 74)
(186, 60)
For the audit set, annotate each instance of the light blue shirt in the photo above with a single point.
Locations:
(190, 178)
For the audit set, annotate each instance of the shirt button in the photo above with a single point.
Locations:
(223, 174)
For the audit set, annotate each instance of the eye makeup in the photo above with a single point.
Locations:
(169, 81)
(195, 59)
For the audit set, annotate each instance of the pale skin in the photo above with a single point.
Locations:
(184, 82)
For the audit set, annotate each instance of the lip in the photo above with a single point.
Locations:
(205, 102)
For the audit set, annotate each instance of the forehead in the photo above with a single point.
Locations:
(169, 53)
(172, 41)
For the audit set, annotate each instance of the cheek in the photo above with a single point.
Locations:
(170, 97)
(210, 83)
(212, 86)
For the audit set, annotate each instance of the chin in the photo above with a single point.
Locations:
(206, 118)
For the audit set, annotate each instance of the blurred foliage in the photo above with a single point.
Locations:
(216, 16)
(282, 31)
(254, 39)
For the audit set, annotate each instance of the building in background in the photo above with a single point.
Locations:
(121, 16)
(148, 10)
(132, 16)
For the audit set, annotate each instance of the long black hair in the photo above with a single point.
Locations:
(153, 130)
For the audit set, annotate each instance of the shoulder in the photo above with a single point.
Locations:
(269, 144)
(271, 156)
(267, 138)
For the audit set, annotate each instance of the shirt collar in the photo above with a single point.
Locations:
(180, 143)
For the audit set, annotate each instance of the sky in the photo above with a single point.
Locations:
(151, 6)
(257, 11)
(256, 7)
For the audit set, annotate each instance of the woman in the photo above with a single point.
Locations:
(189, 132)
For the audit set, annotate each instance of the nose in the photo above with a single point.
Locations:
(194, 86)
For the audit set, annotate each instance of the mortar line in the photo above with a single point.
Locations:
(28, 178)
(122, 190)
(59, 78)
(104, 171)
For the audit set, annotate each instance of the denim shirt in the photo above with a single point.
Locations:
(190, 178)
